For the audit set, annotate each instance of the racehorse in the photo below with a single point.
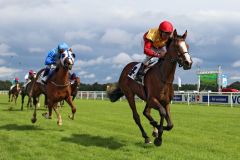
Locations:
(58, 87)
(38, 88)
(74, 87)
(157, 91)
(14, 92)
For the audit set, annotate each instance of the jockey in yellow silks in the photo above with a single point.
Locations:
(155, 41)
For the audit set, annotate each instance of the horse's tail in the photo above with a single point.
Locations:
(114, 92)
(34, 81)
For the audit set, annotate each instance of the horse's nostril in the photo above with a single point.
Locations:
(186, 63)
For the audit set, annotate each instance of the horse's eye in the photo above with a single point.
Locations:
(63, 55)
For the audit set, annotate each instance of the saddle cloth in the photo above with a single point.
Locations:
(133, 72)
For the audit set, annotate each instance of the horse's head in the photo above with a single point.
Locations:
(182, 55)
(67, 59)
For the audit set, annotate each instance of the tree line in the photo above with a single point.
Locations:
(5, 85)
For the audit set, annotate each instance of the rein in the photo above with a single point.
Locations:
(60, 85)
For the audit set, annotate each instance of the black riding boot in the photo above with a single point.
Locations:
(140, 73)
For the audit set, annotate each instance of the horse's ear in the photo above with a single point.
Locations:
(73, 54)
(184, 35)
(175, 33)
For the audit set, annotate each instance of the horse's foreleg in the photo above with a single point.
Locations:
(154, 102)
(147, 114)
(12, 97)
(45, 101)
(28, 103)
(73, 97)
(23, 96)
(34, 119)
(9, 95)
(168, 119)
(48, 115)
(15, 100)
(136, 117)
(31, 103)
(59, 122)
(69, 101)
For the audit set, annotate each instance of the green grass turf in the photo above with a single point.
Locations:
(106, 131)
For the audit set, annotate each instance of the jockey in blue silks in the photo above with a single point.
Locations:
(52, 59)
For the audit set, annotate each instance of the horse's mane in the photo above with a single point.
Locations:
(171, 39)
(169, 42)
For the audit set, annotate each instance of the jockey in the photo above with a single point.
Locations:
(73, 77)
(52, 59)
(28, 77)
(14, 82)
(155, 44)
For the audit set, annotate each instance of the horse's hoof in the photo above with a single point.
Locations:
(148, 141)
(59, 123)
(71, 117)
(158, 142)
(155, 134)
(45, 115)
(34, 120)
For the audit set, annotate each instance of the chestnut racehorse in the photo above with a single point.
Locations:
(58, 87)
(157, 91)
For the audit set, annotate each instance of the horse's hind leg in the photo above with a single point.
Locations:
(69, 101)
(131, 102)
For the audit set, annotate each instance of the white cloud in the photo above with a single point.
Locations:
(81, 73)
(81, 48)
(215, 15)
(76, 35)
(197, 61)
(89, 76)
(108, 78)
(118, 61)
(86, 75)
(36, 50)
(122, 59)
(117, 36)
(203, 40)
(236, 64)
(92, 62)
(236, 77)
(7, 72)
(4, 50)
(138, 57)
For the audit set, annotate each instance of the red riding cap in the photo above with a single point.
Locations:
(166, 26)
(31, 72)
(16, 79)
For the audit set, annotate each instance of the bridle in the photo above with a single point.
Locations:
(178, 59)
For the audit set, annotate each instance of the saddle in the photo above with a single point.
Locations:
(133, 72)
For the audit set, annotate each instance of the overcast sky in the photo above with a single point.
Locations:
(106, 35)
